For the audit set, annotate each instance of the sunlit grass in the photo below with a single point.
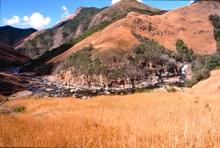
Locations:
(140, 120)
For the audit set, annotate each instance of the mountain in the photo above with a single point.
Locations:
(11, 36)
(123, 53)
(83, 22)
(11, 58)
(63, 32)
(190, 24)
(121, 9)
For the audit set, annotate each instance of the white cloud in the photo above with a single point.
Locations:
(115, 1)
(36, 20)
(65, 12)
(26, 18)
(14, 20)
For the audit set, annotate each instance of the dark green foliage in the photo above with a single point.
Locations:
(202, 67)
(83, 64)
(185, 53)
(147, 12)
(151, 50)
(215, 20)
(133, 63)
(18, 109)
(213, 62)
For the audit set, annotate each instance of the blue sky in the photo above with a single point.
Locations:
(42, 14)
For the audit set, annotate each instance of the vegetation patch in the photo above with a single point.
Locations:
(82, 63)
(18, 109)
(215, 20)
(202, 65)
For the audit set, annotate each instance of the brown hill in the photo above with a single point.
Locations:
(10, 57)
(190, 23)
(84, 19)
(11, 36)
(121, 9)
(63, 32)
(209, 86)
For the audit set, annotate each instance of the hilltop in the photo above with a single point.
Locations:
(75, 25)
(119, 54)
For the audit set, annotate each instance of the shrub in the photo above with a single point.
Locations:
(213, 62)
(18, 109)
(215, 20)
(186, 53)
(81, 60)
(170, 89)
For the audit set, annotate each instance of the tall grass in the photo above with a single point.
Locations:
(140, 120)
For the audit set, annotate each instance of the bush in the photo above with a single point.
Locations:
(170, 89)
(213, 62)
(18, 109)
(186, 53)
(215, 20)
(81, 60)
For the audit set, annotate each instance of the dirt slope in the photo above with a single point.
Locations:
(209, 86)
(189, 23)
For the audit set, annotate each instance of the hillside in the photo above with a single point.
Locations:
(11, 36)
(10, 57)
(10, 84)
(189, 23)
(209, 86)
(84, 19)
(120, 51)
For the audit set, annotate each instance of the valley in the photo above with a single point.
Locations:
(125, 75)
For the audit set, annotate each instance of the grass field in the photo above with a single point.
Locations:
(182, 119)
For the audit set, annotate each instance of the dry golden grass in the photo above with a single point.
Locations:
(139, 120)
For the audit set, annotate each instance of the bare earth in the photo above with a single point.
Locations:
(183, 119)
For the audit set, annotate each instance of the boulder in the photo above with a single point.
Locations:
(21, 95)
